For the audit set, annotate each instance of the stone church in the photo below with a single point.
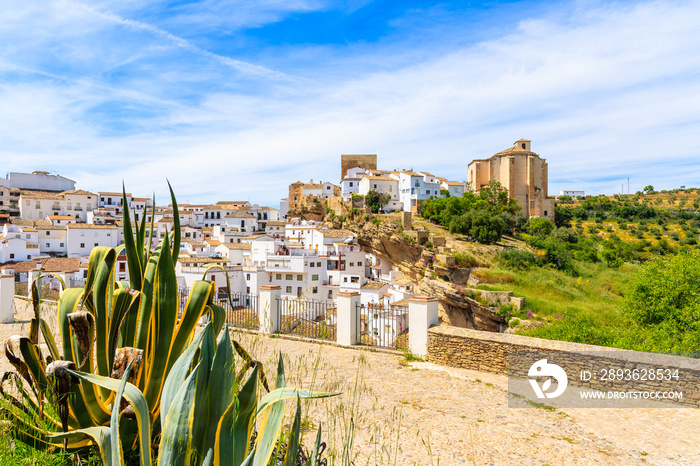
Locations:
(520, 170)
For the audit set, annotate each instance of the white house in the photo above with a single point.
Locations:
(572, 193)
(81, 238)
(414, 187)
(455, 188)
(383, 185)
(37, 204)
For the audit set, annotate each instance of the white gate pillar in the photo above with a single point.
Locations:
(347, 315)
(422, 314)
(268, 309)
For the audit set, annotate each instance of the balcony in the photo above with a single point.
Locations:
(78, 208)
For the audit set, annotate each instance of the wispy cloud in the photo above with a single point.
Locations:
(113, 90)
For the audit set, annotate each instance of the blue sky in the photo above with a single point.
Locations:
(237, 99)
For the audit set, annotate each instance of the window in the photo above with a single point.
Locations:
(330, 294)
(345, 279)
(247, 289)
(247, 276)
(288, 289)
(60, 244)
(312, 264)
(109, 234)
(351, 184)
(314, 278)
(122, 267)
(96, 244)
(82, 245)
(314, 290)
(289, 276)
(28, 236)
(354, 279)
(48, 245)
(318, 264)
(300, 278)
(298, 291)
(352, 264)
(545, 212)
(278, 276)
(28, 256)
(12, 256)
(359, 264)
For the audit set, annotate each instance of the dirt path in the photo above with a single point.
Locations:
(419, 413)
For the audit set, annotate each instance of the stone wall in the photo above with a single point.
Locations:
(487, 351)
(348, 161)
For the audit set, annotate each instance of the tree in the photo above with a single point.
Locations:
(539, 226)
(375, 200)
(649, 189)
(666, 296)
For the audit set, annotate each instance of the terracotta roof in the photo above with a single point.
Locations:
(400, 303)
(61, 217)
(523, 140)
(454, 183)
(244, 246)
(410, 173)
(239, 214)
(80, 192)
(382, 178)
(275, 223)
(202, 260)
(52, 264)
(311, 186)
(212, 242)
(373, 286)
(25, 222)
(90, 226)
(428, 174)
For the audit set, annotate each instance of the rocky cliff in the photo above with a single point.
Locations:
(388, 242)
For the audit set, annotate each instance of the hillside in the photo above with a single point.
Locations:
(576, 277)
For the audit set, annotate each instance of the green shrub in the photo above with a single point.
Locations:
(518, 259)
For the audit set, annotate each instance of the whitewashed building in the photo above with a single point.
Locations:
(81, 238)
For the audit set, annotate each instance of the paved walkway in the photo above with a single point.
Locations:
(419, 413)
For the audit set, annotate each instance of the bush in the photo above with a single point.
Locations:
(518, 259)
(539, 226)
(665, 295)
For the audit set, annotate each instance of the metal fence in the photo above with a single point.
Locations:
(308, 318)
(241, 309)
(382, 325)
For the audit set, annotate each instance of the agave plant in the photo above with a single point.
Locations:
(105, 328)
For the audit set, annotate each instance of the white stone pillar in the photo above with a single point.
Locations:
(268, 309)
(7, 299)
(347, 318)
(422, 314)
(31, 276)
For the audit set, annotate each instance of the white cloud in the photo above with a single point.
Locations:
(605, 91)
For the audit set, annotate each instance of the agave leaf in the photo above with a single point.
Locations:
(165, 309)
(246, 357)
(35, 363)
(124, 299)
(200, 295)
(102, 292)
(290, 459)
(286, 393)
(117, 456)
(138, 402)
(175, 444)
(49, 340)
(218, 314)
(146, 307)
(243, 427)
(268, 433)
(68, 304)
(134, 252)
(100, 435)
(176, 224)
(221, 390)
(150, 231)
(177, 375)
(314, 453)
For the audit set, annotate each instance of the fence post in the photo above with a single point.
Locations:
(346, 318)
(422, 314)
(7, 299)
(267, 309)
